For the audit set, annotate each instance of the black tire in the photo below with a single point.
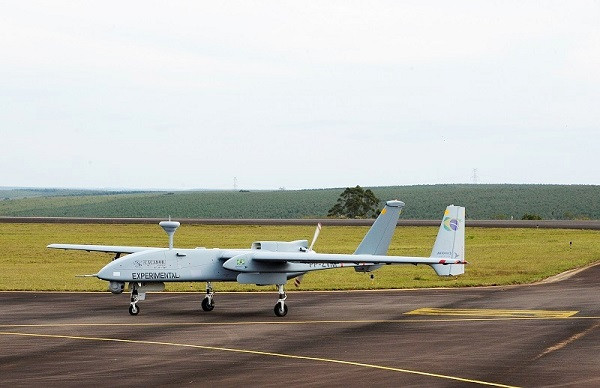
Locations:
(134, 309)
(278, 311)
(206, 306)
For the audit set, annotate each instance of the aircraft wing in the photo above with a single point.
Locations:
(280, 257)
(100, 248)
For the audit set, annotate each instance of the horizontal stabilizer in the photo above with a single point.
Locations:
(279, 257)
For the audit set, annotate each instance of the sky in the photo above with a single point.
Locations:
(298, 94)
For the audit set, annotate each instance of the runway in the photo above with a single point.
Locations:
(538, 335)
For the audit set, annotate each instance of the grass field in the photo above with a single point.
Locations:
(496, 256)
(422, 202)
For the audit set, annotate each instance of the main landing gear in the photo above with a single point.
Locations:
(208, 303)
(281, 308)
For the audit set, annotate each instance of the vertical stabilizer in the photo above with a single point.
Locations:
(378, 238)
(450, 242)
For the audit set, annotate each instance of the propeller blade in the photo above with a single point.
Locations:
(298, 279)
(314, 240)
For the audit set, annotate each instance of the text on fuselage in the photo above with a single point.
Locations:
(154, 275)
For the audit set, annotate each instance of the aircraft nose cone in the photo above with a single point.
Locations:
(109, 272)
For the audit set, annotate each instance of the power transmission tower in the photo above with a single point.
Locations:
(474, 177)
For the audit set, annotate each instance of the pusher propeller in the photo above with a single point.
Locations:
(298, 279)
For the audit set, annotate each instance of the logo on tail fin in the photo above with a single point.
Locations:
(450, 224)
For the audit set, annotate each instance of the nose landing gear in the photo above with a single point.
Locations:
(208, 303)
(135, 298)
(281, 308)
(138, 293)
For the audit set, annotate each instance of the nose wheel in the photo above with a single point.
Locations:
(133, 307)
(281, 308)
(137, 293)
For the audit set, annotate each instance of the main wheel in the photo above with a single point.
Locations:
(278, 311)
(134, 309)
(206, 305)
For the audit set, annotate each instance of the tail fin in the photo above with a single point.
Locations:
(450, 242)
(378, 238)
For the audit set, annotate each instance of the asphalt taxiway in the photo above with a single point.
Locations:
(539, 335)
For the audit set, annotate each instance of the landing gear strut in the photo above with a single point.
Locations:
(281, 308)
(138, 293)
(135, 298)
(208, 303)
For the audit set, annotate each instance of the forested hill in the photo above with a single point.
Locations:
(422, 202)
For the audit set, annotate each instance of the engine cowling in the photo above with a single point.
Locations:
(281, 246)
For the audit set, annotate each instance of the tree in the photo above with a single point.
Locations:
(532, 217)
(355, 203)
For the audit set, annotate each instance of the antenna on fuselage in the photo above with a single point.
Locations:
(169, 227)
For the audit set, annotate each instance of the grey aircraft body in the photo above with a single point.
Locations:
(269, 262)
